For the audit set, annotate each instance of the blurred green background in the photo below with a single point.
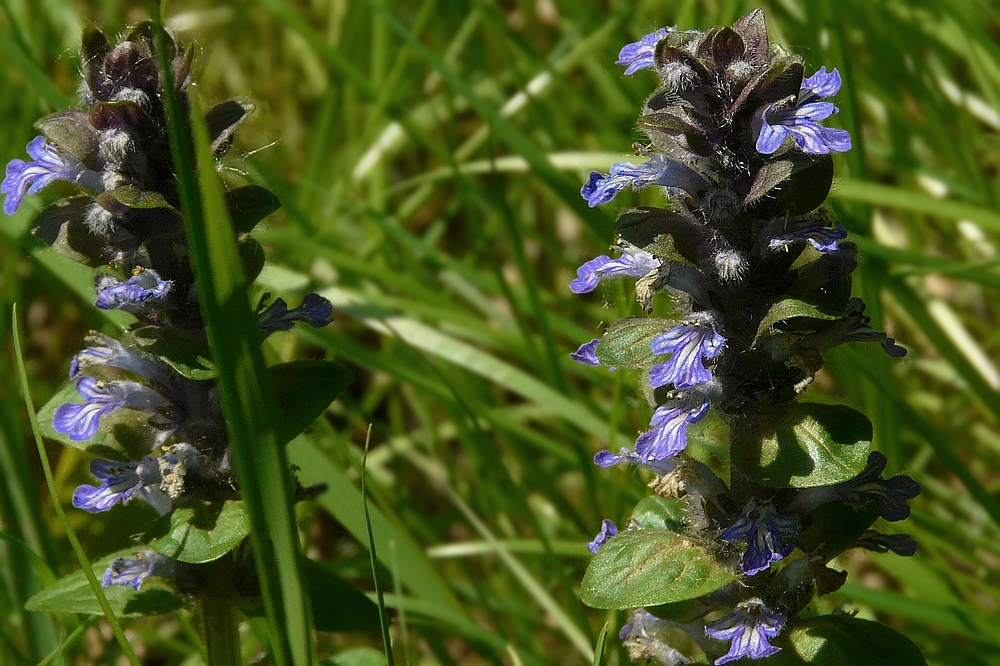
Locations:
(429, 154)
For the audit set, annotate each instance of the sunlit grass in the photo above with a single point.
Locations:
(427, 155)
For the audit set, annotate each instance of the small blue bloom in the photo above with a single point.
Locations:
(133, 571)
(889, 495)
(764, 530)
(634, 263)
(629, 457)
(144, 285)
(587, 353)
(103, 351)
(81, 422)
(49, 164)
(120, 481)
(689, 345)
(315, 311)
(608, 530)
(801, 121)
(658, 170)
(639, 55)
(670, 421)
(820, 236)
(748, 628)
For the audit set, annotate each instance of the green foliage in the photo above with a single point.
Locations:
(204, 533)
(649, 567)
(382, 165)
(812, 445)
(845, 641)
(626, 343)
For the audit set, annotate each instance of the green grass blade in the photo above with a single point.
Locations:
(382, 615)
(245, 391)
(54, 494)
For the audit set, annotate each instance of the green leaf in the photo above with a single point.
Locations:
(809, 444)
(73, 594)
(651, 567)
(841, 640)
(179, 350)
(836, 527)
(337, 604)
(72, 132)
(790, 308)
(62, 226)
(627, 342)
(250, 204)
(204, 533)
(127, 198)
(305, 389)
(660, 513)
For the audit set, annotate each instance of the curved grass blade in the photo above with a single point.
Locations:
(53, 493)
(382, 614)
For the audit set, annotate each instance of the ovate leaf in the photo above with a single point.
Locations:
(305, 389)
(841, 640)
(627, 342)
(790, 308)
(807, 445)
(661, 513)
(183, 353)
(73, 594)
(651, 567)
(204, 533)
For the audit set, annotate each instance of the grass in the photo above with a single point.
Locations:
(427, 155)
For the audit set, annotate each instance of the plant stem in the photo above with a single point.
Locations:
(221, 630)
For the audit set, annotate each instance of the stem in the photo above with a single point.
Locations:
(222, 638)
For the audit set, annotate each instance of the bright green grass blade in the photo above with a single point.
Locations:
(54, 494)
(508, 133)
(247, 397)
(346, 503)
(382, 615)
(917, 202)
(929, 326)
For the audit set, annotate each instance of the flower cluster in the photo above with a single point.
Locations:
(141, 398)
(759, 277)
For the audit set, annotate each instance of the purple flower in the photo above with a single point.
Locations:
(133, 571)
(119, 483)
(801, 121)
(639, 55)
(764, 530)
(901, 544)
(587, 353)
(314, 310)
(889, 495)
(634, 263)
(748, 629)
(658, 170)
(608, 530)
(820, 236)
(688, 345)
(49, 164)
(81, 422)
(668, 436)
(103, 351)
(629, 457)
(144, 285)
